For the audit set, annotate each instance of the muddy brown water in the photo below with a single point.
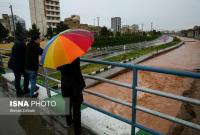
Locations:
(185, 57)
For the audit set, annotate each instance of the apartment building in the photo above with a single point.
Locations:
(44, 13)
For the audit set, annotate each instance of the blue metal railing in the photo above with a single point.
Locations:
(135, 89)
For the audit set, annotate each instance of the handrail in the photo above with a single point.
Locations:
(108, 98)
(169, 95)
(108, 81)
(168, 71)
(170, 118)
(129, 66)
(155, 92)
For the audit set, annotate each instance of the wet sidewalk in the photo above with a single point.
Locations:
(32, 124)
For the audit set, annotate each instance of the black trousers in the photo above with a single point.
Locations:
(74, 117)
(18, 75)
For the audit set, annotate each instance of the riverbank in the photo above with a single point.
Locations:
(188, 112)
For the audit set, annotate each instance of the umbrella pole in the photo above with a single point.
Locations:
(46, 82)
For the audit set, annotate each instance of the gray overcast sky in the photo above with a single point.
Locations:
(165, 14)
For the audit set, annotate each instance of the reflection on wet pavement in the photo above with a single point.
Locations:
(32, 124)
(28, 125)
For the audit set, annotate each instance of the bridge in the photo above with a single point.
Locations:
(113, 120)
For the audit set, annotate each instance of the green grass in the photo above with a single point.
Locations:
(141, 132)
(41, 81)
(89, 68)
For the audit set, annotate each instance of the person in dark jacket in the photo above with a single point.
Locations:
(16, 63)
(33, 50)
(72, 84)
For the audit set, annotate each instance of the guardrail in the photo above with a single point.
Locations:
(134, 87)
(3, 56)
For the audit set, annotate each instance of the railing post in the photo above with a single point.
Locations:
(1, 64)
(134, 99)
(46, 82)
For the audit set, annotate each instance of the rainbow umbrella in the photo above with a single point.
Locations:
(65, 47)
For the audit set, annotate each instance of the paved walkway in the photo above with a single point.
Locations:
(34, 124)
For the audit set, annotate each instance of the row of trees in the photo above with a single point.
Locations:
(50, 31)
(106, 38)
(59, 28)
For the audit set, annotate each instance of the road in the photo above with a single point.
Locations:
(112, 51)
(185, 57)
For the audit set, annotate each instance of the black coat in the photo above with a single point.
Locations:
(17, 57)
(33, 50)
(72, 82)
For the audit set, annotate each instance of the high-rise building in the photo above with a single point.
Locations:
(116, 24)
(44, 13)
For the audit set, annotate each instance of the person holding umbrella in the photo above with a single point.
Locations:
(62, 52)
(72, 84)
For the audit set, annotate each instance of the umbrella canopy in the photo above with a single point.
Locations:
(65, 47)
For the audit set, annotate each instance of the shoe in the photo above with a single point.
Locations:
(69, 125)
(26, 91)
(35, 95)
(20, 94)
(37, 88)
